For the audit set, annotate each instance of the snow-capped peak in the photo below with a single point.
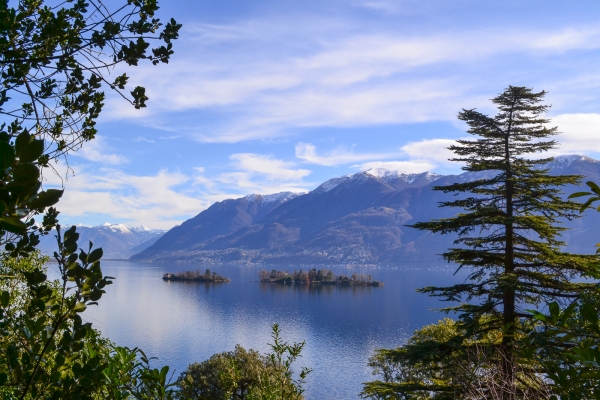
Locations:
(269, 198)
(566, 160)
(281, 197)
(122, 228)
(116, 227)
(251, 197)
(330, 184)
(141, 228)
(388, 175)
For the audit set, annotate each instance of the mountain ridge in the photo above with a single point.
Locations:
(118, 241)
(356, 218)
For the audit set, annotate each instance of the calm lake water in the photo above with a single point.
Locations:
(180, 322)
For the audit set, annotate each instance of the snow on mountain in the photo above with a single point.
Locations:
(121, 228)
(388, 175)
(567, 160)
(270, 198)
(141, 228)
(432, 176)
(280, 197)
(334, 182)
(362, 221)
(330, 184)
(117, 240)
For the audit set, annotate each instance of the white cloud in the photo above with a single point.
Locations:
(580, 133)
(412, 166)
(156, 200)
(97, 151)
(430, 149)
(262, 174)
(267, 166)
(143, 139)
(337, 156)
(341, 76)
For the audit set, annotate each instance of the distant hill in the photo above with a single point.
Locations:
(117, 240)
(358, 218)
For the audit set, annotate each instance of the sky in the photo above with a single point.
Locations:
(267, 96)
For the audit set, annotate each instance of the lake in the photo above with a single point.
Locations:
(183, 322)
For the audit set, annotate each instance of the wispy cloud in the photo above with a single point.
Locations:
(98, 151)
(263, 174)
(341, 78)
(338, 156)
(435, 150)
(412, 166)
(268, 166)
(159, 201)
(579, 133)
(143, 139)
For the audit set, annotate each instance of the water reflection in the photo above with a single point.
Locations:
(317, 288)
(183, 322)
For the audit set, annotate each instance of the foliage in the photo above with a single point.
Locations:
(46, 348)
(567, 345)
(508, 233)
(246, 375)
(225, 375)
(322, 276)
(594, 196)
(567, 337)
(197, 276)
(55, 60)
(440, 362)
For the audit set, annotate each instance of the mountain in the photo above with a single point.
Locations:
(359, 218)
(117, 240)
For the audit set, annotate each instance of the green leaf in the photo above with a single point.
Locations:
(22, 141)
(587, 204)
(46, 199)
(554, 310)
(579, 194)
(79, 307)
(32, 151)
(4, 298)
(537, 315)
(13, 225)
(593, 186)
(95, 255)
(26, 173)
(589, 313)
(7, 156)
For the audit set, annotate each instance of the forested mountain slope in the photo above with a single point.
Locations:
(358, 218)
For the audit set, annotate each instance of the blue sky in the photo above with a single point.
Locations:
(267, 96)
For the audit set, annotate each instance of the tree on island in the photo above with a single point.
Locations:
(508, 234)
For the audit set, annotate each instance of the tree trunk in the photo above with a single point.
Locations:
(507, 348)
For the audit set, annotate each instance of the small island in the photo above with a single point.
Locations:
(321, 277)
(196, 276)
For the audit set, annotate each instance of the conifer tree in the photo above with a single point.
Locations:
(508, 231)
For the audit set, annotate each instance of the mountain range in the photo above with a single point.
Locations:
(359, 218)
(118, 241)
